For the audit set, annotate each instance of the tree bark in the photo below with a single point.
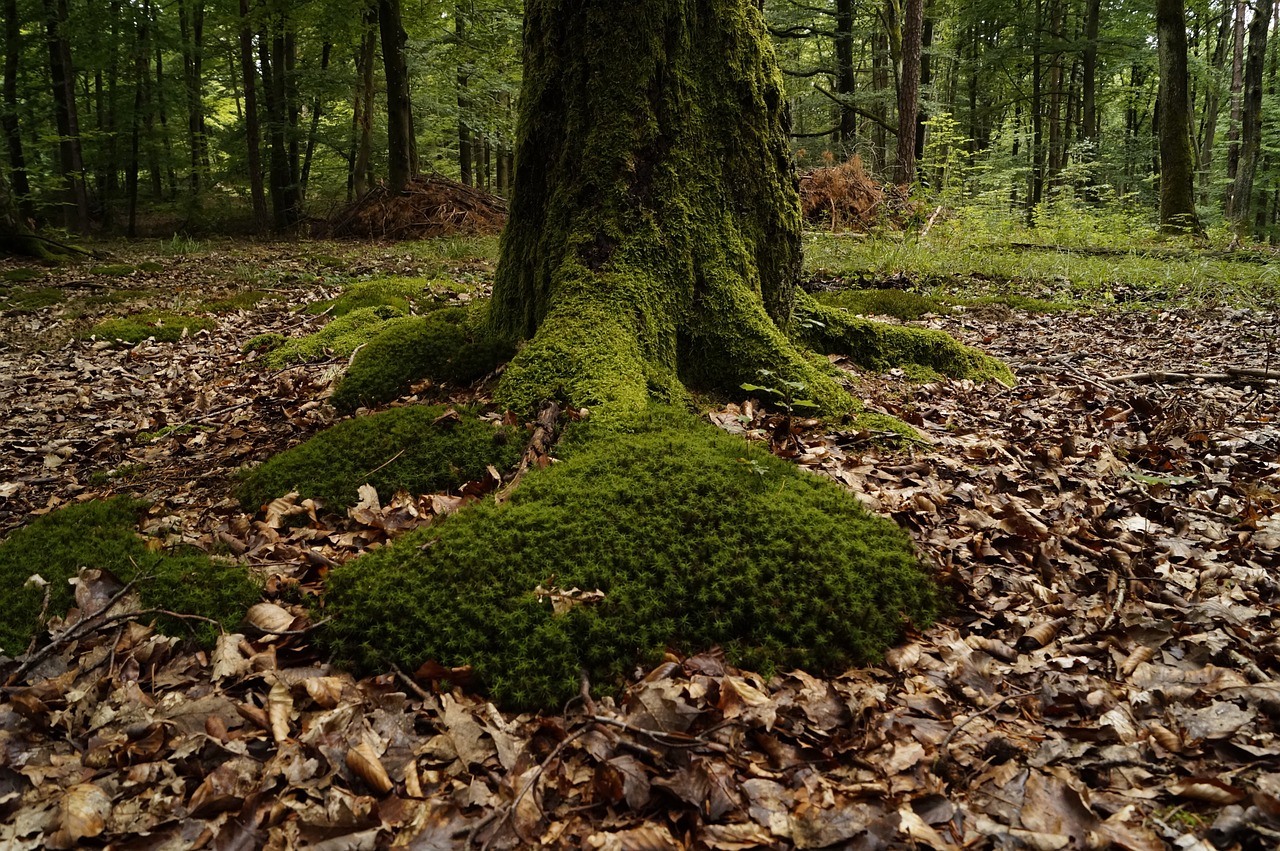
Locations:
(904, 170)
(845, 78)
(253, 132)
(401, 153)
(191, 27)
(70, 158)
(361, 174)
(21, 187)
(317, 107)
(1177, 157)
(1251, 125)
(1089, 85)
(1237, 95)
(655, 223)
(1213, 99)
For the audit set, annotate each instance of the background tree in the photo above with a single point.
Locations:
(1177, 159)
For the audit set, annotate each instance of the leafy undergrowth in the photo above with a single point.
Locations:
(1109, 527)
(663, 533)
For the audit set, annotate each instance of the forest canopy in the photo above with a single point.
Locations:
(149, 118)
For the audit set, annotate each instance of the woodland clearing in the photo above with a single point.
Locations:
(1108, 530)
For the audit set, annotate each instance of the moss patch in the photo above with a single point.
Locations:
(164, 327)
(113, 270)
(878, 347)
(338, 339)
(21, 275)
(101, 535)
(442, 346)
(22, 299)
(399, 449)
(695, 538)
(897, 303)
(400, 294)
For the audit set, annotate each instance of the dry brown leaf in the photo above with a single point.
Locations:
(279, 711)
(364, 763)
(85, 808)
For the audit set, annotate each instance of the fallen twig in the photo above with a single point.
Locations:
(544, 437)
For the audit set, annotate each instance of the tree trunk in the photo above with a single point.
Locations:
(904, 171)
(361, 175)
(655, 222)
(253, 132)
(1213, 99)
(845, 79)
(401, 153)
(1237, 95)
(70, 158)
(286, 206)
(191, 27)
(464, 101)
(317, 107)
(1251, 124)
(21, 188)
(1089, 86)
(1177, 157)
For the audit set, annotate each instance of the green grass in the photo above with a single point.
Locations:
(164, 327)
(101, 534)
(982, 264)
(695, 538)
(399, 449)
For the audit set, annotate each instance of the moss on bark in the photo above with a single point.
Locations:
(655, 227)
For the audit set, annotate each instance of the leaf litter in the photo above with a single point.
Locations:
(1104, 679)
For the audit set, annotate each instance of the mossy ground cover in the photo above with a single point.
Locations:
(446, 345)
(164, 327)
(338, 339)
(404, 295)
(16, 298)
(21, 275)
(400, 449)
(695, 539)
(100, 534)
(890, 302)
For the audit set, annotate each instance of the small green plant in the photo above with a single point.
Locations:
(420, 449)
(162, 327)
(665, 516)
(102, 534)
(784, 393)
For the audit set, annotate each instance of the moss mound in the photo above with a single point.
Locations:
(23, 299)
(898, 303)
(164, 327)
(695, 539)
(442, 346)
(400, 294)
(21, 275)
(338, 339)
(399, 449)
(101, 535)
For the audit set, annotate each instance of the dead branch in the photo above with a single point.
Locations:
(544, 437)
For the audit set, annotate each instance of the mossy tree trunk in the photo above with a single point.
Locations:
(655, 224)
(1177, 157)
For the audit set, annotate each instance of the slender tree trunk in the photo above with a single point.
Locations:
(1089, 85)
(361, 173)
(401, 153)
(464, 100)
(1251, 129)
(317, 106)
(904, 171)
(1177, 158)
(1035, 191)
(191, 26)
(1212, 103)
(880, 86)
(845, 78)
(252, 128)
(19, 184)
(273, 49)
(1055, 155)
(141, 59)
(1237, 95)
(70, 158)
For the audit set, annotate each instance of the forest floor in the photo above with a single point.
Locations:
(1107, 676)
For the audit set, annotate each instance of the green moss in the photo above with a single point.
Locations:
(695, 538)
(264, 343)
(101, 535)
(878, 347)
(113, 270)
(897, 303)
(114, 297)
(442, 346)
(399, 449)
(150, 266)
(885, 423)
(20, 299)
(338, 339)
(403, 295)
(21, 275)
(163, 327)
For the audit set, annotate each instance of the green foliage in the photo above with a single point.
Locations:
(442, 346)
(101, 534)
(695, 538)
(399, 449)
(899, 303)
(22, 299)
(163, 327)
(337, 339)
